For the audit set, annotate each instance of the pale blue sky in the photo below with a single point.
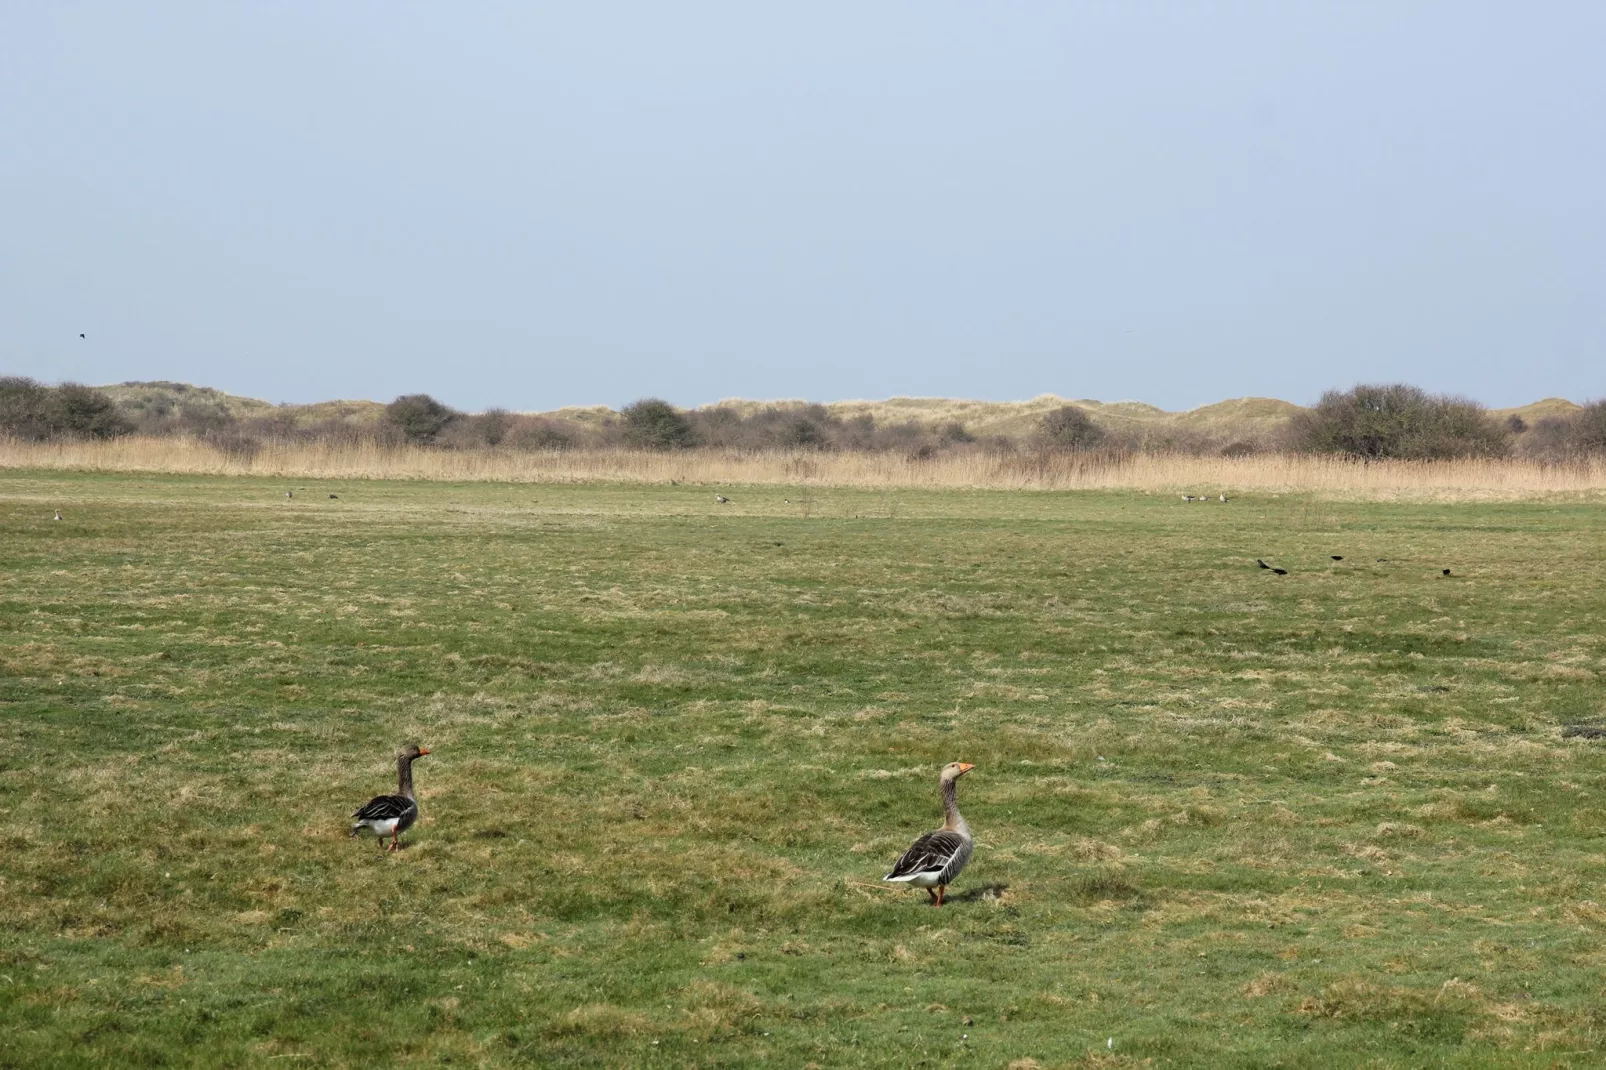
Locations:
(532, 205)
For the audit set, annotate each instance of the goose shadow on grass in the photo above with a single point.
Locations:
(979, 895)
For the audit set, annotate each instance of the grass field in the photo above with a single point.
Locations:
(1224, 818)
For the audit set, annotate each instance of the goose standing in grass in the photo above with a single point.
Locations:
(392, 815)
(935, 859)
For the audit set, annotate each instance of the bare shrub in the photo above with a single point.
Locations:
(1398, 421)
(719, 426)
(1574, 438)
(84, 412)
(654, 424)
(1194, 441)
(533, 435)
(1069, 429)
(419, 417)
(492, 426)
(24, 409)
(800, 432)
(1588, 429)
(1548, 439)
(34, 412)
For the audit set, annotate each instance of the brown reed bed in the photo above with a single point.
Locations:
(1277, 472)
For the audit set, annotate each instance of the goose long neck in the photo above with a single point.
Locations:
(950, 808)
(404, 777)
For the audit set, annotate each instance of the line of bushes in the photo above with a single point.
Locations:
(34, 412)
(1366, 422)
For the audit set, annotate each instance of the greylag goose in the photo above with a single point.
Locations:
(392, 815)
(935, 859)
(721, 499)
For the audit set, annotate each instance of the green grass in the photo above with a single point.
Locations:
(1223, 818)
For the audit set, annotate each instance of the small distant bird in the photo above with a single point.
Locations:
(1224, 498)
(1338, 557)
(288, 494)
(1187, 497)
(334, 496)
(392, 815)
(1446, 572)
(721, 499)
(1278, 571)
(58, 514)
(935, 859)
(80, 334)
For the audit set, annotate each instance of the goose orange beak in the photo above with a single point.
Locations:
(965, 767)
(422, 751)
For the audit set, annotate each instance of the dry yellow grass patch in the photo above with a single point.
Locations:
(1328, 476)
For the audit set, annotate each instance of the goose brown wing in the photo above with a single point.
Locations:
(384, 808)
(931, 853)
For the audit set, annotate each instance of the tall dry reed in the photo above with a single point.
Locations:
(1326, 476)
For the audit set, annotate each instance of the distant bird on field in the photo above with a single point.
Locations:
(288, 494)
(1446, 572)
(1187, 497)
(721, 499)
(334, 496)
(1278, 571)
(935, 859)
(1338, 557)
(1224, 498)
(58, 514)
(392, 815)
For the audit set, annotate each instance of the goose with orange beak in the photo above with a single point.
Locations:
(935, 859)
(392, 815)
